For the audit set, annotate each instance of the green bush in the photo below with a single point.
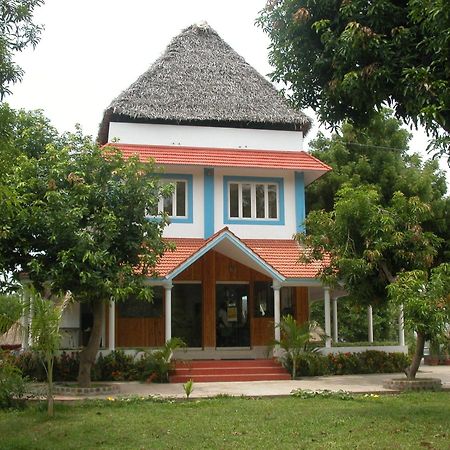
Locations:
(371, 361)
(12, 384)
(116, 366)
(312, 364)
(65, 367)
(30, 366)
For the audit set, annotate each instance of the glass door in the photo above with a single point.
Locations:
(232, 318)
(187, 313)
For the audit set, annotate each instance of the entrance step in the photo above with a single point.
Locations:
(228, 370)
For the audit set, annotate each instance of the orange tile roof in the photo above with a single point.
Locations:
(222, 157)
(281, 254)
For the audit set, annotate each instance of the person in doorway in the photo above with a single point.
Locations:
(223, 316)
(223, 325)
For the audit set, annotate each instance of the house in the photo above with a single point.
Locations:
(232, 147)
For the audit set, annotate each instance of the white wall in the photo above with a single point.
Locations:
(71, 316)
(196, 229)
(213, 137)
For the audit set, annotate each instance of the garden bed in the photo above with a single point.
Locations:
(95, 389)
(418, 384)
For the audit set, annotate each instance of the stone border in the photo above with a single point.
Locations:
(419, 384)
(101, 389)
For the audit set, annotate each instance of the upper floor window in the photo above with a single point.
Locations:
(177, 206)
(253, 200)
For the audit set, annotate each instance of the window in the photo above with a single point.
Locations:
(253, 200)
(177, 206)
(263, 293)
(134, 307)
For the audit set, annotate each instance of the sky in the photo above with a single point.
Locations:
(91, 50)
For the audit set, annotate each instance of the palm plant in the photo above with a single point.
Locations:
(295, 339)
(45, 336)
(10, 311)
(160, 360)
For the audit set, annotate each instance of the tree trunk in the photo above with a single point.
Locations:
(89, 353)
(417, 358)
(50, 399)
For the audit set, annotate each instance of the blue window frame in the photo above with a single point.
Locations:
(253, 200)
(178, 206)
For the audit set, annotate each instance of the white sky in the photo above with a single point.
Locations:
(91, 50)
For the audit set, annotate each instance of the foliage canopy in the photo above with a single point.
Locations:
(17, 31)
(345, 59)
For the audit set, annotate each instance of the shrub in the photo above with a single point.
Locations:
(116, 366)
(66, 366)
(312, 364)
(371, 361)
(30, 366)
(12, 384)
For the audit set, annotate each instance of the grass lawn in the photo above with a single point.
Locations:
(385, 422)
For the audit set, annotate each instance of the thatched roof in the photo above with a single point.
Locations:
(201, 80)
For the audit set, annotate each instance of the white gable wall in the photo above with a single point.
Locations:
(212, 137)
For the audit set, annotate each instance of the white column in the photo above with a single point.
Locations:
(335, 320)
(103, 343)
(168, 311)
(326, 299)
(370, 323)
(276, 309)
(112, 326)
(401, 327)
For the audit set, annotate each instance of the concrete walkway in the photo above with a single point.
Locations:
(352, 383)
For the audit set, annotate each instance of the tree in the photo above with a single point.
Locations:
(81, 225)
(368, 244)
(426, 302)
(346, 59)
(365, 245)
(46, 338)
(377, 155)
(17, 31)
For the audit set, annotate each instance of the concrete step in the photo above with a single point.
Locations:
(228, 370)
(229, 378)
(228, 363)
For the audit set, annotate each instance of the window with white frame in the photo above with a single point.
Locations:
(178, 205)
(253, 200)
(175, 205)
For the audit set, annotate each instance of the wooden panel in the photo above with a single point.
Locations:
(139, 332)
(301, 304)
(230, 270)
(262, 330)
(209, 300)
(192, 273)
(258, 276)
